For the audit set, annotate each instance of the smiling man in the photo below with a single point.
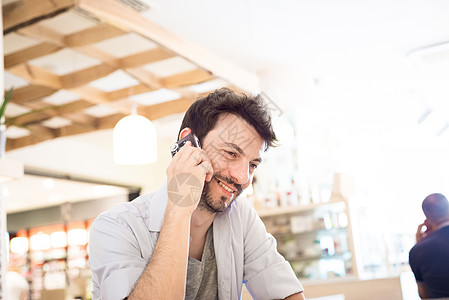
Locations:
(196, 237)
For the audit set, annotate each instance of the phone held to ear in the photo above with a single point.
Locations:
(179, 144)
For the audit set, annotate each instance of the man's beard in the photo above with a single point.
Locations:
(207, 202)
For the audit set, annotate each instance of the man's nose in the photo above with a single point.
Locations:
(239, 171)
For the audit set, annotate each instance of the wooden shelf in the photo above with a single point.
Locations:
(263, 213)
(343, 256)
(333, 230)
(10, 169)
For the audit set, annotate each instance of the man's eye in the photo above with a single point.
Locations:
(253, 166)
(231, 153)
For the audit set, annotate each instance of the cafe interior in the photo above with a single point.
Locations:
(357, 92)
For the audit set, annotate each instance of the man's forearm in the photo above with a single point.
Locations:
(165, 274)
(297, 296)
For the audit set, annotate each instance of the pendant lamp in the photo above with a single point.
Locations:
(134, 140)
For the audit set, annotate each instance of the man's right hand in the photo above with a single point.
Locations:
(186, 174)
(166, 273)
(420, 234)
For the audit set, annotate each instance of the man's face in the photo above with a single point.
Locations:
(235, 149)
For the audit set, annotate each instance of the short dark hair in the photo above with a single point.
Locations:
(203, 114)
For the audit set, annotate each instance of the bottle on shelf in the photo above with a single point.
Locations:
(292, 194)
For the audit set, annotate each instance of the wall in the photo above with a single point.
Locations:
(52, 215)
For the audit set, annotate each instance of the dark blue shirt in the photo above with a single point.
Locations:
(429, 260)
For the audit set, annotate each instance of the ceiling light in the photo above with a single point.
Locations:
(134, 140)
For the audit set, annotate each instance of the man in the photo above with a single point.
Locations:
(429, 258)
(196, 238)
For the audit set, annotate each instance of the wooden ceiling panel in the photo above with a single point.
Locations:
(29, 53)
(31, 92)
(137, 44)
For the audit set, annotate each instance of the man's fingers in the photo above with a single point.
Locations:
(207, 169)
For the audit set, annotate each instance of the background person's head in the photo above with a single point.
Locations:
(436, 209)
(204, 113)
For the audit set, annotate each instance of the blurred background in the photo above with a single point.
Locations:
(358, 93)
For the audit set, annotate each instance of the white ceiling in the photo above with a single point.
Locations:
(346, 63)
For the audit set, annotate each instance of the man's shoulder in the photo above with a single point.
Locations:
(147, 210)
(136, 207)
(431, 241)
(243, 207)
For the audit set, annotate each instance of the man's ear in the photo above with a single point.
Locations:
(186, 131)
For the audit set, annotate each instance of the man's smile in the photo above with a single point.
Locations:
(224, 186)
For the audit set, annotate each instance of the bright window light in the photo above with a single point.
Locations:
(77, 237)
(58, 239)
(48, 183)
(19, 245)
(40, 241)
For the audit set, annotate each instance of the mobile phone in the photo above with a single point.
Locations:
(179, 144)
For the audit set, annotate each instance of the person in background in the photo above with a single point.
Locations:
(429, 258)
(196, 237)
(17, 287)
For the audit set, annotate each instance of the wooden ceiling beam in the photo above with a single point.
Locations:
(79, 78)
(25, 12)
(31, 92)
(145, 57)
(127, 63)
(109, 121)
(186, 78)
(129, 91)
(164, 109)
(23, 56)
(115, 12)
(92, 35)
(28, 140)
(91, 94)
(41, 132)
(72, 107)
(138, 73)
(72, 130)
(96, 96)
(99, 54)
(43, 33)
(81, 118)
(146, 77)
(36, 75)
(30, 117)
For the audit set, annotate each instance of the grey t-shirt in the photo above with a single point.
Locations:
(202, 282)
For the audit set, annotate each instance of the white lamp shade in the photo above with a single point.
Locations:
(135, 141)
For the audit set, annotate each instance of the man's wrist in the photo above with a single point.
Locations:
(178, 211)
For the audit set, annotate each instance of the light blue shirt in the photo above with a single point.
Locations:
(122, 241)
